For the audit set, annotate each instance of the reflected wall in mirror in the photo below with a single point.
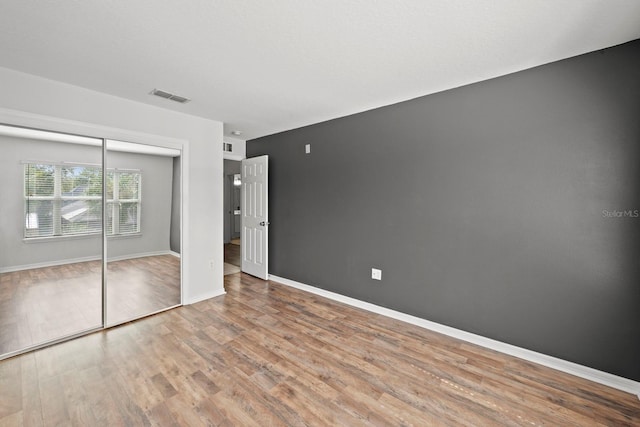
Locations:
(143, 230)
(50, 237)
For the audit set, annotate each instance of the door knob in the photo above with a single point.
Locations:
(263, 223)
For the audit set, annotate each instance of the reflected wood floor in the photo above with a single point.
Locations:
(43, 304)
(268, 355)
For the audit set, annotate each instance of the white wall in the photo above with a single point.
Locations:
(33, 101)
(239, 147)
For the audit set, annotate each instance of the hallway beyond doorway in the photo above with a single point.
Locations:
(231, 258)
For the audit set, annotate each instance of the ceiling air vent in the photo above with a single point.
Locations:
(172, 97)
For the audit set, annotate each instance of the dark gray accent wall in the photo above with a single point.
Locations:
(506, 208)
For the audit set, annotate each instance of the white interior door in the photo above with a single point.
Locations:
(255, 218)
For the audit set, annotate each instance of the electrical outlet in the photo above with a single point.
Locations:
(307, 148)
(211, 264)
(376, 274)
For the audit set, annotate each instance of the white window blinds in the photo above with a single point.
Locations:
(63, 200)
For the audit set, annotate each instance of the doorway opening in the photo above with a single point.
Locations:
(232, 213)
(247, 211)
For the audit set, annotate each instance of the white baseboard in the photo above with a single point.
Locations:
(581, 371)
(48, 264)
(138, 255)
(82, 259)
(202, 297)
(175, 254)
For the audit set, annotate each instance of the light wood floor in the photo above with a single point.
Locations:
(44, 304)
(265, 354)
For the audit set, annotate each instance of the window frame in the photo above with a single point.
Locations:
(57, 199)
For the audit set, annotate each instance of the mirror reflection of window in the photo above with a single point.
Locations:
(50, 237)
(143, 266)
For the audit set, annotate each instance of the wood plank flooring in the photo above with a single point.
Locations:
(268, 355)
(43, 304)
(140, 286)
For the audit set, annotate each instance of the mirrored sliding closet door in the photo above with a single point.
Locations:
(89, 235)
(50, 237)
(143, 230)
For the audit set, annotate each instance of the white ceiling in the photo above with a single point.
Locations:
(265, 66)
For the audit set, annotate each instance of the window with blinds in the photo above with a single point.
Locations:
(123, 202)
(63, 200)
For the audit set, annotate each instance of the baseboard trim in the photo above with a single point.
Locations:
(600, 377)
(82, 259)
(205, 296)
(138, 255)
(48, 264)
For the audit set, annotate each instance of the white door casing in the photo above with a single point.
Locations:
(255, 218)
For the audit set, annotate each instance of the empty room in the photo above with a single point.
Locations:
(306, 213)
